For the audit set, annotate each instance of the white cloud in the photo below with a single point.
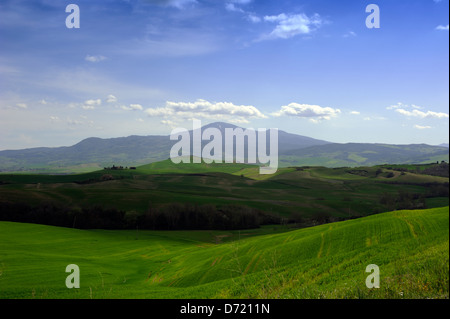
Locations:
(43, 102)
(132, 107)
(400, 105)
(420, 114)
(91, 104)
(111, 99)
(396, 106)
(254, 18)
(136, 107)
(314, 112)
(355, 113)
(54, 119)
(420, 127)
(13, 105)
(289, 26)
(349, 34)
(95, 58)
(160, 111)
(169, 123)
(208, 110)
(442, 27)
(231, 7)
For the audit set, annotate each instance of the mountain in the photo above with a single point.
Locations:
(286, 141)
(94, 153)
(363, 154)
(294, 150)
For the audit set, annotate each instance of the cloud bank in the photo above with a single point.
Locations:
(207, 110)
(315, 113)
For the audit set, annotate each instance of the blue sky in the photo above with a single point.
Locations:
(143, 67)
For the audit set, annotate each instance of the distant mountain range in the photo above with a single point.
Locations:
(363, 154)
(94, 153)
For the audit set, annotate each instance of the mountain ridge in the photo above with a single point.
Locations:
(135, 150)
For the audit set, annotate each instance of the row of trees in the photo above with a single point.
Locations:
(407, 200)
(186, 216)
(438, 169)
(166, 217)
(114, 167)
(403, 200)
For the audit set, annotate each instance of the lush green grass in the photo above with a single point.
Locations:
(327, 261)
(189, 167)
(253, 173)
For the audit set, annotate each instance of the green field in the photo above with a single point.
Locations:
(327, 261)
(339, 193)
(317, 250)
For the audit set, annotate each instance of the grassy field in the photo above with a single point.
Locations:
(327, 261)
(339, 192)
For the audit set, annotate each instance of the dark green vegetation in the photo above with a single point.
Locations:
(327, 261)
(438, 169)
(154, 196)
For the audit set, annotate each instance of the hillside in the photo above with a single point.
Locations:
(294, 150)
(300, 195)
(327, 261)
(168, 167)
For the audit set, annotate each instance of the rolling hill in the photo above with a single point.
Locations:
(327, 261)
(301, 194)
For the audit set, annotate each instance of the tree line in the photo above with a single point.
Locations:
(173, 216)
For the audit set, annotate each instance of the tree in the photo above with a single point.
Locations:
(378, 172)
